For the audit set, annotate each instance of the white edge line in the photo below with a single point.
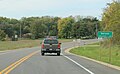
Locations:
(99, 62)
(79, 65)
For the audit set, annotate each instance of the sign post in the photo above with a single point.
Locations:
(108, 35)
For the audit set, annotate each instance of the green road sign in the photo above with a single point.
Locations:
(105, 34)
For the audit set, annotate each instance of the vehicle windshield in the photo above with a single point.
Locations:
(50, 41)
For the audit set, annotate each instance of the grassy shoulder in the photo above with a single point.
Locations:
(94, 51)
(11, 45)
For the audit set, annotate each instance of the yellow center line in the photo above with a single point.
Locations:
(11, 65)
(14, 65)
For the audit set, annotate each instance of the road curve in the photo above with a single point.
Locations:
(50, 63)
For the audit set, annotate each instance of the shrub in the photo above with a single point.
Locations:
(2, 35)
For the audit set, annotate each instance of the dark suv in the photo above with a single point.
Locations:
(50, 45)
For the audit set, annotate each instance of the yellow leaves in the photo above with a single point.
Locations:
(111, 19)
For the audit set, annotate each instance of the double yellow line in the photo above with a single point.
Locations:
(15, 64)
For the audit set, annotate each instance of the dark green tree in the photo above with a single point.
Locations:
(2, 35)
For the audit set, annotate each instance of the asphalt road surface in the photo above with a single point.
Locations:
(30, 61)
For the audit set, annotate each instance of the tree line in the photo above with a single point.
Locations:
(39, 27)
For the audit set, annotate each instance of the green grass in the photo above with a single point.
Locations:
(93, 51)
(11, 45)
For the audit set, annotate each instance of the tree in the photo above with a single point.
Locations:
(111, 20)
(51, 24)
(75, 27)
(2, 35)
(65, 27)
(38, 29)
(85, 27)
(8, 29)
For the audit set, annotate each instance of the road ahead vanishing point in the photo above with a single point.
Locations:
(30, 61)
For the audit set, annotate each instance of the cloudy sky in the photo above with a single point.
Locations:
(61, 8)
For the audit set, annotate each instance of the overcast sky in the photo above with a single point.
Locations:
(61, 8)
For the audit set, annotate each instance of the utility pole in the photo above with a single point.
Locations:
(48, 31)
(20, 32)
(96, 30)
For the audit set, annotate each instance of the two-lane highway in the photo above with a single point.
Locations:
(30, 61)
